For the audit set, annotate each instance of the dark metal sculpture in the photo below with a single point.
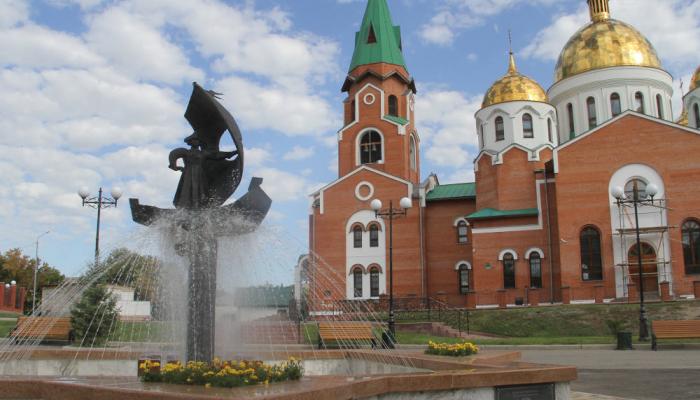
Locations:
(209, 177)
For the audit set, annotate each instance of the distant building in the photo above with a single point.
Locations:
(129, 308)
(539, 220)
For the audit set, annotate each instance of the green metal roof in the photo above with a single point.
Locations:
(453, 191)
(386, 44)
(398, 120)
(486, 213)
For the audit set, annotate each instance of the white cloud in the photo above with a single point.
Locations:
(456, 15)
(299, 153)
(549, 42)
(283, 186)
(138, 49)
(276, 107)
(13, 12)
(447, 127)
(256, 157)
(38, 47)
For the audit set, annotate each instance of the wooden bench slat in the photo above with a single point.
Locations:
(345, 331)
(43, 327)
(670, 329)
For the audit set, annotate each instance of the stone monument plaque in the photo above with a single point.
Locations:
(526, 392)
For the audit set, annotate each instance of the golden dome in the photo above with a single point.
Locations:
(683, 120)
(514, 86)
(604, 43)
(695, 81)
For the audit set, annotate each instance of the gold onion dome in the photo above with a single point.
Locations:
(604, 43)
(514, 86)
(695, 81)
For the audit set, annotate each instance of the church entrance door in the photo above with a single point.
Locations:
(650, 271)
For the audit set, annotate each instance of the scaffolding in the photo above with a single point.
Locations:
(658, 231)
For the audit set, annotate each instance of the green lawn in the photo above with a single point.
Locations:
(149, 331)
(563, 321)
(6, 327)
(4, 314)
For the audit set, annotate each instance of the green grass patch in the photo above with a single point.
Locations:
(6, 327)
(560, 321)
(147, 331)
(4, 314)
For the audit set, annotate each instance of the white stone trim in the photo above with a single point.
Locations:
(358, 138)
(320, 192)
(357, 108)
(534, 250)
(369, 99)
(506, 251)
(357, 191)
(469, 265)
(520, 228)
(458, 219)
(610, 121)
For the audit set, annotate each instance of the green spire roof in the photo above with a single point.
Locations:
(378, 39)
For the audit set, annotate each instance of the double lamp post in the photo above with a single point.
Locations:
(639, 198)
(391, 213)
(99, 202)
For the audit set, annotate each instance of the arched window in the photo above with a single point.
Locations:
(535, 270)
(508, 271)
(660, 106)
(462, 232)
(463, 278)
(549, 130)
(412, 153)
(639, 102)
(371, 147)
(615, 104)
(500, 129)
(357, 282)
(528, 131)
(374, 282)
(690, 232)
(357, 237)
(393, 106)
(696, 108)
(636, 184)
(592, 115)
(570, 113)
(373, 235)
(591, 261)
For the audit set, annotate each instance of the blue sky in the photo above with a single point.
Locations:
(94, 92)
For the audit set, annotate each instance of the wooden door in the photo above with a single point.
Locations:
(650, 271)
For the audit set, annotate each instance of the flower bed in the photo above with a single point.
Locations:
(221, 373)
(454, 350)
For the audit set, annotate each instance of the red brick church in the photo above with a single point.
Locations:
(540, 222)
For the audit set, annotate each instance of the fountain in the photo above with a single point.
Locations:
(190, 239)
(209, 178)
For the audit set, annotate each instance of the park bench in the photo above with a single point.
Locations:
(43, 328)
(344, 333)
(674, 330)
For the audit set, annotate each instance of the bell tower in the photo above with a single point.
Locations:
(379, 124)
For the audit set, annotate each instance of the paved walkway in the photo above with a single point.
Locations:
(638, 374)
(591, 396)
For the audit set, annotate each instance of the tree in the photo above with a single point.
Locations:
(93, 315)
(19, 267)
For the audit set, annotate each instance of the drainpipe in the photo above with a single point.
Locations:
(549, 235)
(421, 227)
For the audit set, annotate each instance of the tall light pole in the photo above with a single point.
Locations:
(391, 213)
(639, 198)
(99, 202)
(36, 269)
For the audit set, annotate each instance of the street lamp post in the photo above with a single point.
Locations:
(639, 198)
(99, 202)
(36, 269)
(391, 213)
